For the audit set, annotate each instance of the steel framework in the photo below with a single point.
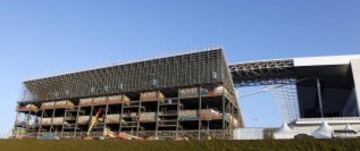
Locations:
(262, 72)
(177, 93)
(278, 77)
(200, 68)
(286, 98)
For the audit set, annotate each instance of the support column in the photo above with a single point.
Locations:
(63, 124)
(27, 120)
(28, 116)
(224, 115)
(52, 117)
(199, 111)
(14, 131)
(177, 116)
(91, 116)
(138, 119)
(106, 111)
(77, 120)
(232, 120)
(92, 111)
(208, 122)
(355, 67)
(121, 116)
(157, 119)
(318, 85)
(40, 124)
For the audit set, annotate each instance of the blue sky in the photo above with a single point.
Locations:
(44, 37)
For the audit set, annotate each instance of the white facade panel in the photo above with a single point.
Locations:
(355, 67)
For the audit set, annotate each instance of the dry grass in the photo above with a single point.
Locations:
(215, 145)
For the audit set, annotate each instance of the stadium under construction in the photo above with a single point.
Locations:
(190, 96)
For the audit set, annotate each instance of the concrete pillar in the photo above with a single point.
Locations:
(355, 67)
(318, 86)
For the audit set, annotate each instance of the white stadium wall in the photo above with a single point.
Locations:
(355, 66)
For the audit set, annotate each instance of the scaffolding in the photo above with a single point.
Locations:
(143, 99)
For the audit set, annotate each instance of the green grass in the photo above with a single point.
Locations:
(214, 145)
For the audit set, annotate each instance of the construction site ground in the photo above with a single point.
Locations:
(213, 145)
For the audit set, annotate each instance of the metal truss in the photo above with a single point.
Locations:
(193, 69)
(285, 96)
(262, 72)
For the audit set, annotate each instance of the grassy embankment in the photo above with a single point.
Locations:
(214, 145)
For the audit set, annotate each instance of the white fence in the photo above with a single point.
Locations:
(249, 134)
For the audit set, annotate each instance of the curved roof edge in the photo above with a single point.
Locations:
(311, 61)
